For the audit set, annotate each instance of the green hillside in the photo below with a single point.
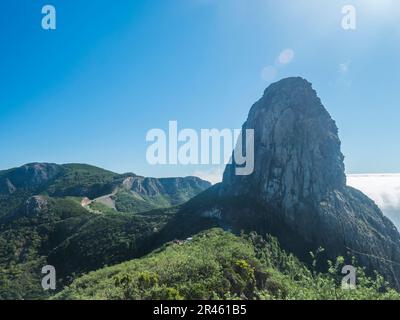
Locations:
(219, 265)
(72, 239)
(43, 220)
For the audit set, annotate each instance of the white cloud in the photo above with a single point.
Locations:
(213, 175)
(286, 56)
(270, 72)
(384, 189)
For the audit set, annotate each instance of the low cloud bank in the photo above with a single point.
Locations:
(384, 189)
(213, 175)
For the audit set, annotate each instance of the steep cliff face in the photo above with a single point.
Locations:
(139, 194)
(169, 186)
(298, 190)
(297, 149)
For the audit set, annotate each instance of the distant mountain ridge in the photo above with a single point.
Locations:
(44, 176)
(82, 180)
(78, 218)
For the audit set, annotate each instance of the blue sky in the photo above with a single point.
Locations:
(89, 91)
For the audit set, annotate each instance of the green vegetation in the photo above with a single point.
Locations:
(82, 180)
(126, 201)
(43, 221)
(219, 265)
(27, 238)
(105, 240)
(64, 234)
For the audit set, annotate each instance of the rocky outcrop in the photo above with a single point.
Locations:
(297, 149)
(298, 190)
(36, 205)
(27, 177)
(164, 186)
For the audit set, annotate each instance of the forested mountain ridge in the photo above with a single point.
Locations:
(78, 218)
(127, 192)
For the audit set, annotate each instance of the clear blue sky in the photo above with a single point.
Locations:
(89, 91)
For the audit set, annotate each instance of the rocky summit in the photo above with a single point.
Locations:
(298, 189)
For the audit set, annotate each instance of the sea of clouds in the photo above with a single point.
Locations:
(384, 189)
